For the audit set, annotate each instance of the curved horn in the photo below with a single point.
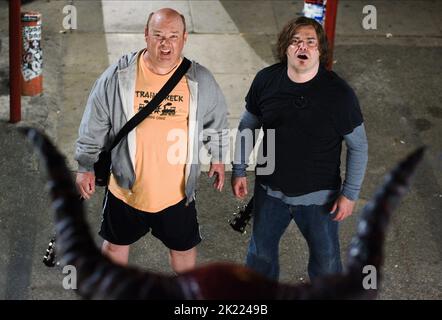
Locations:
(97, 276)
(366, 247)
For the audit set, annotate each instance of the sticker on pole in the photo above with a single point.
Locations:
(315, 9)
(32, 54)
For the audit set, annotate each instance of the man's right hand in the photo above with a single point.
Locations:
(239, 187)
(85, 182)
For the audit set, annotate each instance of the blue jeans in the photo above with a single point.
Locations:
(270, 220)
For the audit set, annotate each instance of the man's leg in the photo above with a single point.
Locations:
(270, 220)
(177, 227)
(121, 224)
(182, 261)
(322, 236)
(118, 254)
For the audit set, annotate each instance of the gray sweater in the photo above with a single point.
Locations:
(111, 104)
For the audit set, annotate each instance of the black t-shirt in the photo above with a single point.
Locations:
(310, 120)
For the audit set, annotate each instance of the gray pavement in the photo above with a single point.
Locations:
(396, 78)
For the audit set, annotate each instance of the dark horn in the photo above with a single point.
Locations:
(97, 276)
(366, 248)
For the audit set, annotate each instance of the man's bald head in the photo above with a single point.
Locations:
(166, 13)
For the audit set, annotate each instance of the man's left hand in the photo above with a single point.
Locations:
(343, 207)
(217, 169)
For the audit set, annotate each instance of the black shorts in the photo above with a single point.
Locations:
(176, 226)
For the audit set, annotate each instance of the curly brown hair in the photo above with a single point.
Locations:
(289, 30)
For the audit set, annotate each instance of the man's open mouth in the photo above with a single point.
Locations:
(165, 52)
(302, 56)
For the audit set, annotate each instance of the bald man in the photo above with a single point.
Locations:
(156, 167)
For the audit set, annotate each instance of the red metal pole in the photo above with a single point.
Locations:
(14, 61)
(330, 26)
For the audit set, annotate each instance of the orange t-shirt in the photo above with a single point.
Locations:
(161, 145)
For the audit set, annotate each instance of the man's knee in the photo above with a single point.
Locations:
(110, 247)
(325, 262)
(182, 261)
(265, 265)
(117, 253)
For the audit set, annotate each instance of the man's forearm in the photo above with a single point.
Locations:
(244, 143)
(356, 164)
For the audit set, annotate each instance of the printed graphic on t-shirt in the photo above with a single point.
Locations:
(167, 108)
